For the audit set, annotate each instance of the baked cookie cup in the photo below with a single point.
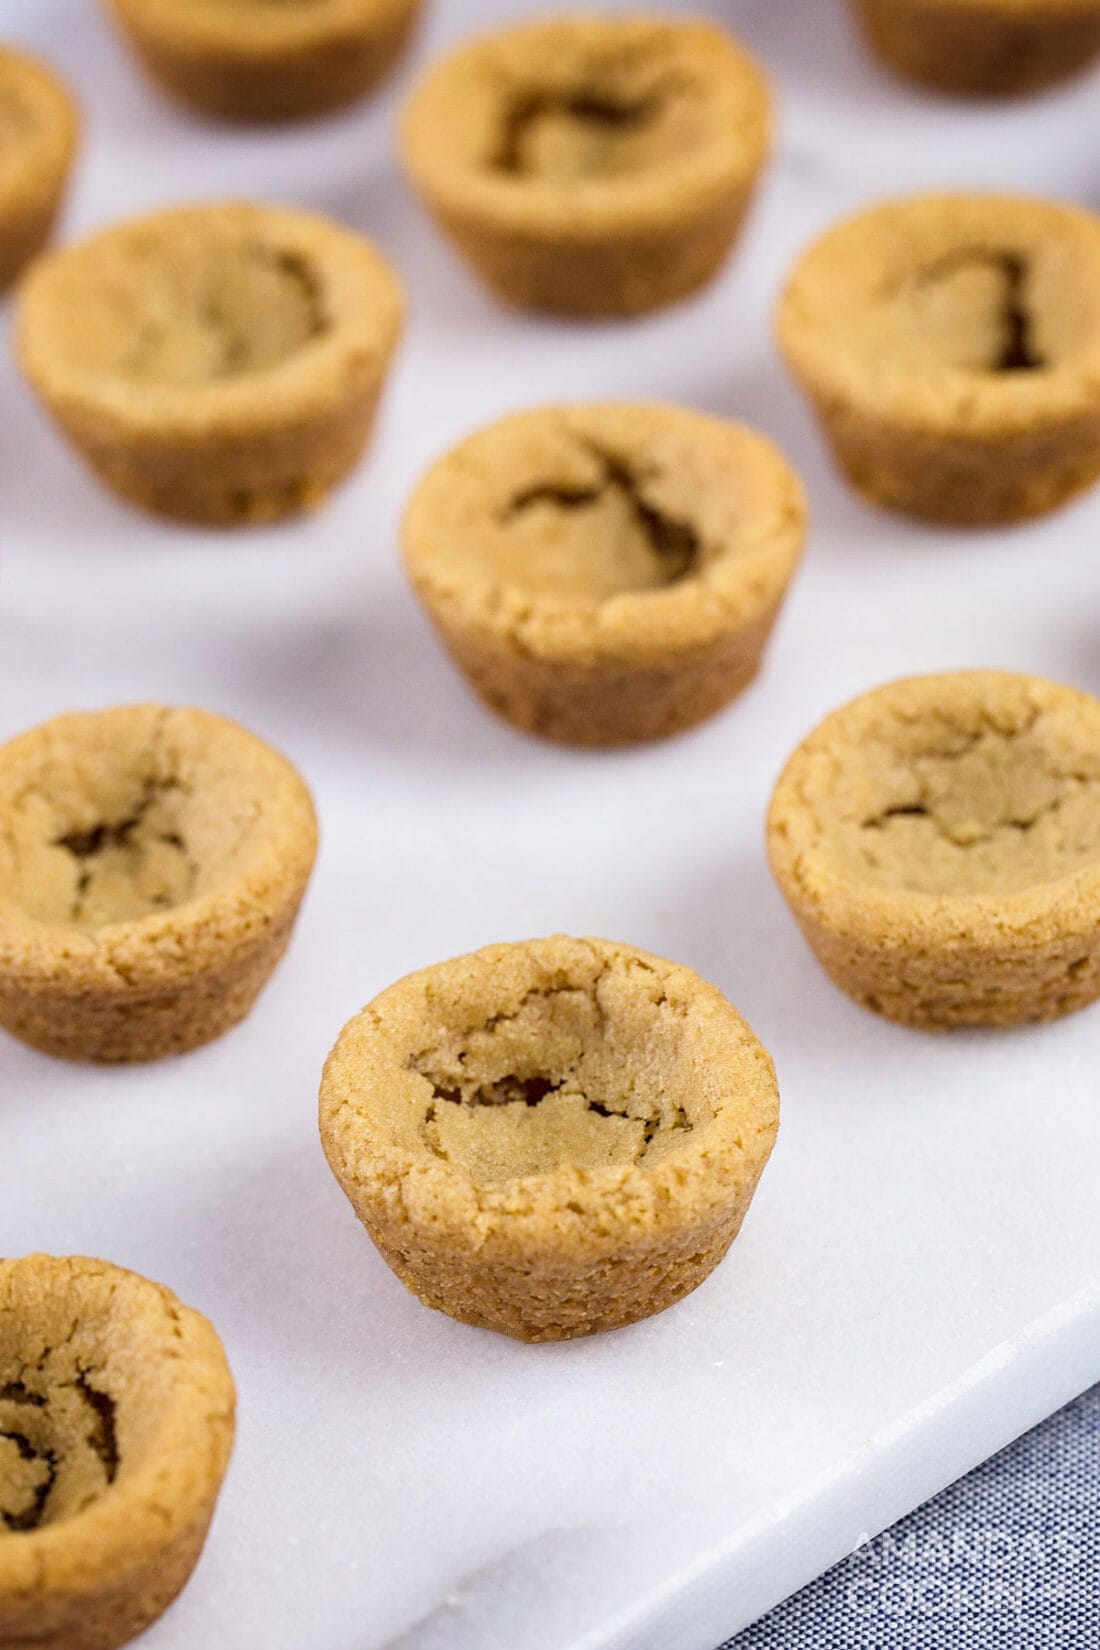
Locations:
(984, 48)
(264, 61)
(152, 862)
(215, 364)
(550, 1139)
(591, 164)
(39, 127)
(939, 843)
(116, 1425)
(608, 573)
(951, 347)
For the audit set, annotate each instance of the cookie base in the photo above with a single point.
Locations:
(603, 704)
(273, 85)
(611, 277)
(104, 1617)
(976, 482)
(968, 48)
(23, 234)
(225, 478)
(141, 1022)
(936, 990)
(546, 1298)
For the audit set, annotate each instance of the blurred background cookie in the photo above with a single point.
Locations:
(216, 364)
(38, 135)
(950, 345)
(985, 48)
(267, 60)
(591, 165)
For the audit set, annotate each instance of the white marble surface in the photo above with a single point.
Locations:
(917, 1279)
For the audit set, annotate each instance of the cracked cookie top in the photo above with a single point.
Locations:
(209, 316)
(585, 123)
(143, 831)
(555, 1078)
(978, 788)
(116, 1421)
(618, 527)
(975, 313)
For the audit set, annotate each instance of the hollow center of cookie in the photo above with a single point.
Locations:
(108, 851)
(128, 867)
(973, 310)
(614, 119)
(592, 539)
(58, 1444)
(194, 306)
(980, 812)
(549, 1084)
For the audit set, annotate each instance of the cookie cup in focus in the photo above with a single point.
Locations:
(610, 573)
(152, 863)
(938, 842)
(550, 1139)
(116, 1425)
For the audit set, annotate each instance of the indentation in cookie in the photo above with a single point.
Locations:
(58, 1443)
(973, 309)
(601, 539)
(192, 302)
(550, 1084)
(127, 868)
(562, 136)
(993, 809)
(126, 815)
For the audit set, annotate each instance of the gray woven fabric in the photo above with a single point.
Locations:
(1006, 1559)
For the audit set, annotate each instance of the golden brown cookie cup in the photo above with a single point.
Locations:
(256, 61)
(984, 48)
(550, 1139)
(591, 165)
(609, 573)
(951, 348)
(152, 862)
(214, 364)
(38, 134)
(939, 843)
(116, 1425)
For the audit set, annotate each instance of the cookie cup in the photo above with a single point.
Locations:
(116, 1425)
(984, 48)
(591, 165)
(152, 863)
(254, 61)
(950, 345)
(938, 842)
(550, 1139)
(214, 364)
(609, 573)
(39, 127)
